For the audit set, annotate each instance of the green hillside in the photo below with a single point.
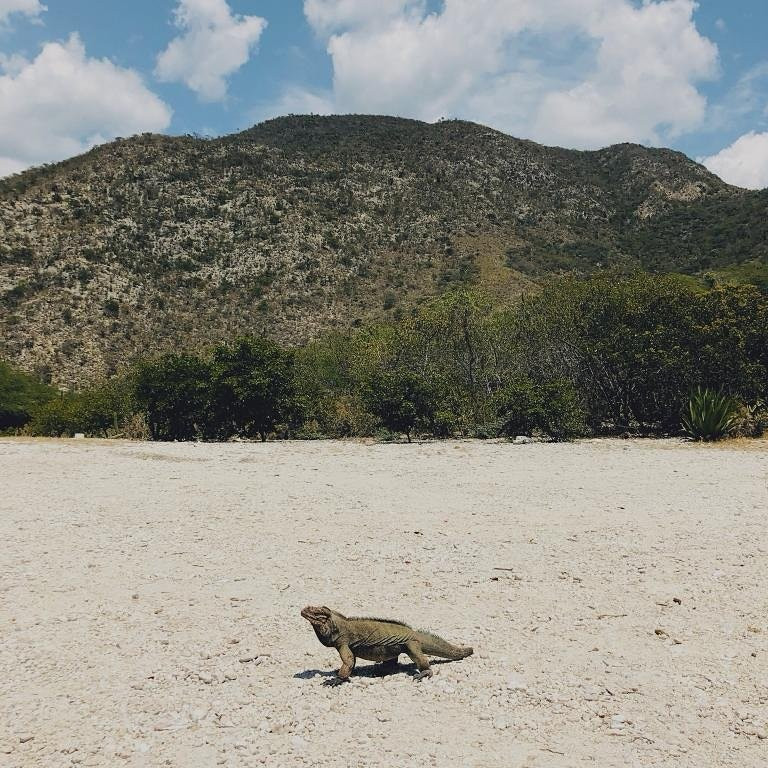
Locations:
(301, 224)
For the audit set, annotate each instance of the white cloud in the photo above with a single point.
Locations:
(744, 163)
(332, 15)
(748, 99)
(296, 100)
(213, 45)
(579, 72)
(28, 7)
(644, 84)
(62, 103)
(9, 165)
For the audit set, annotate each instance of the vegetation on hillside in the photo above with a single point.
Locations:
(302, 225)
(610, 354)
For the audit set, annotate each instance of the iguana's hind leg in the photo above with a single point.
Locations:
(413, 649)
(388, 666)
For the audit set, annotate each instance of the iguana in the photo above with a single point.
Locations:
(377, 640)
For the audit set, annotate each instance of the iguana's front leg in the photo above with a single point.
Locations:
(347, 665)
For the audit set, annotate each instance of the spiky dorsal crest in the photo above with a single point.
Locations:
(383, 621)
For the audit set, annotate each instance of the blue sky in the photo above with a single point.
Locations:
(579, 73)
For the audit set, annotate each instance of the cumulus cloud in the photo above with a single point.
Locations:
(28, 7)
(214, 43)
(63, 102)
(744, 163)
(333, 15)
(583, 73)
(296, 100)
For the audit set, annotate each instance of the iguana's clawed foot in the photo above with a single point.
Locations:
(427, 673)
(334, 681)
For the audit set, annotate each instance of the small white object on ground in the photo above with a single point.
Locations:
(516, 683)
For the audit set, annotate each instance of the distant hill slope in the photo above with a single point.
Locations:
(306, 223)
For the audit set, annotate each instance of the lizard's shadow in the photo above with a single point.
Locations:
(369, 670)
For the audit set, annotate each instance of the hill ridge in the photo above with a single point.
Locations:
(304, 223)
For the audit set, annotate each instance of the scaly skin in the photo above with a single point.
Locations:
(377, 640)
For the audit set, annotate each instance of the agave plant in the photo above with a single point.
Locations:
(710, 415)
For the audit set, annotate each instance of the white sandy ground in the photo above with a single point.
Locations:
(137, 578)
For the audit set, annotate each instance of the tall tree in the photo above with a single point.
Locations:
(252, 387)
(175, 392)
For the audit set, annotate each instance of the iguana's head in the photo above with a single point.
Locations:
(323, 621)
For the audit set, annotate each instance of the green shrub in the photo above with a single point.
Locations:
(174, 393)
(56, 418)
(552, 408)
(111, 308)
(486, 430)
(100, 411)
(752, 420)
(443, 424)
(710, 415)
(20, 395)
(252, 388)
(401, 400)
(612, 353)
(636, 346)
(343, 415)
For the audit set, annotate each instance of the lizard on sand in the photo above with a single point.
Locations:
(377, 640)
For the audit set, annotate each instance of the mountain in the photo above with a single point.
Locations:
(306, 223)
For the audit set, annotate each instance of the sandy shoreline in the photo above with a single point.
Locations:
(616, 594)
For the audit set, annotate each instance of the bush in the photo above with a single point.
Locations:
(111, 307)
(401, 400)
(252, 388)
(56, 418)
(710, 415)
(636, 346)
(752, 420)
(174, 391)
(344, 415)
(20, 395)
(325, 387)
(96, 412)
(443, 424)
(612, 352)
(246, 388)
(552, 408)
(135, 427)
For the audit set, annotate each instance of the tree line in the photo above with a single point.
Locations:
(607, 354)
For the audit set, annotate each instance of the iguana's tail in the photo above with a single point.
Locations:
(432, 645)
